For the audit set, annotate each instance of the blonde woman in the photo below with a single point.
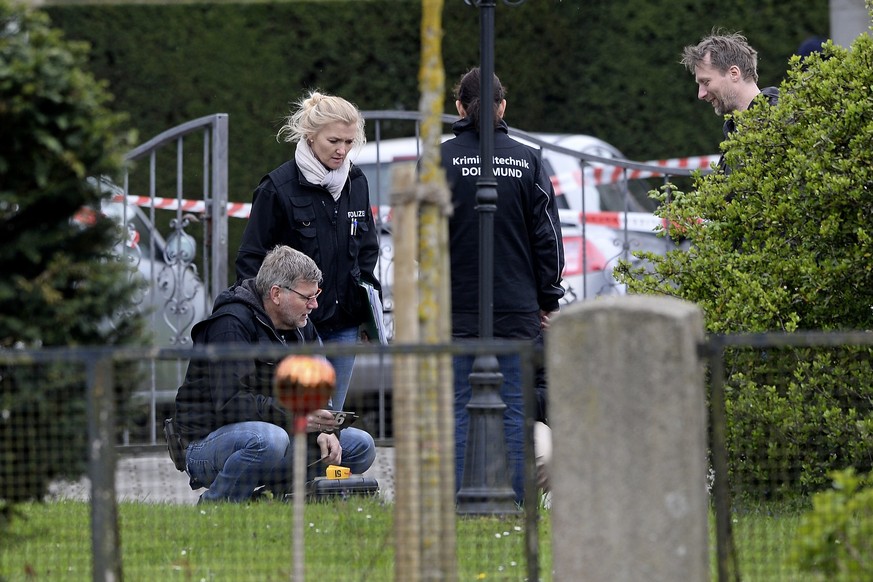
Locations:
(319, 203)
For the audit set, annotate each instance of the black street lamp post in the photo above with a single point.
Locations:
(485, 485)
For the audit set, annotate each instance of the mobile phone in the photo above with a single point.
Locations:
(344, 418)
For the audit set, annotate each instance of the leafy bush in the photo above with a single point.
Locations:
(61, 284)
(794, 415)
(835, 538)
(783, 243)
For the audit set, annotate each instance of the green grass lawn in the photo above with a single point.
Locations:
(345, 540)
(763, 537)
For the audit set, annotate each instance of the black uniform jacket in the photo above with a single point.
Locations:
(216, 393)
(339, 236)
(528, 248)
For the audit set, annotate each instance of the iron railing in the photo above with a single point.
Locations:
(182, 280)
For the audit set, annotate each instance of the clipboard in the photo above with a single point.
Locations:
(375, 324)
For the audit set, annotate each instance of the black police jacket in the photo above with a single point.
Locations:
(339, 236)
(528, 247)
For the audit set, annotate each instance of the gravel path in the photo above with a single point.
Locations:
(152, 478)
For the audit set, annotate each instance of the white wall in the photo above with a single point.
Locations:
(849, 19)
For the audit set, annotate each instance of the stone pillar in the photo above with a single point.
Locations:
(628, 414)
(849, 20)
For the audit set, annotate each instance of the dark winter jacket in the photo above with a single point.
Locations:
(339, 236)
(528, 248)
(216, 393)
(772, 97)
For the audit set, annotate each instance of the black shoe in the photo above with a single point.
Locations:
(262, 494)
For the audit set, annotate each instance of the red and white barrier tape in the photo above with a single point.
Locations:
(634, 221)
(234, 209)
(602, 174)
(594, 176)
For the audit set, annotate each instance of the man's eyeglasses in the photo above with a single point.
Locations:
(307, 298)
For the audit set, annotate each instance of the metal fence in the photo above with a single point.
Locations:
(172, 207)
(786, 411)
(87, 505)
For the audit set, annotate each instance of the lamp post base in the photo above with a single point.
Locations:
(485, 488)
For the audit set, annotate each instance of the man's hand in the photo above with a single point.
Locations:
(320, 421)
(331, 451)
(546, 318)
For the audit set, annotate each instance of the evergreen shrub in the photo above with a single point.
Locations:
(62, 283)
(783, 243)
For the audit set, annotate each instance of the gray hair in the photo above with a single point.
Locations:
(317, 110)
(725, 50)
(285, 267)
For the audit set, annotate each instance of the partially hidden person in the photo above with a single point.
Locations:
(725, 68)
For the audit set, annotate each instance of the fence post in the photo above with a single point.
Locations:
(628, 414)
(217, 210)
(105, 540)
(726, 556)
(407, 399)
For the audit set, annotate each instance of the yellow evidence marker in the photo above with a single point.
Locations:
(337, 472)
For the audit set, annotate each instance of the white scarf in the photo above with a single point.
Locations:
(316, 173)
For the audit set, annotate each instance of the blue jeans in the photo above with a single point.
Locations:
(342, 365)
(234, 460)
(513, 417)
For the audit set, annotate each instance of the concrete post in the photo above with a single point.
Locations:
(849, 20)
(628, 414)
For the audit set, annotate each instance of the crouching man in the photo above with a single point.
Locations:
(233, 431)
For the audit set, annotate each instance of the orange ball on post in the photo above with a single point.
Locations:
(304, 384)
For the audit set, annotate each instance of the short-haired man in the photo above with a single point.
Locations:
(233, 431)
(725, 68)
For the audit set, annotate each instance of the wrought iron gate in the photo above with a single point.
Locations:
(172, 184)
